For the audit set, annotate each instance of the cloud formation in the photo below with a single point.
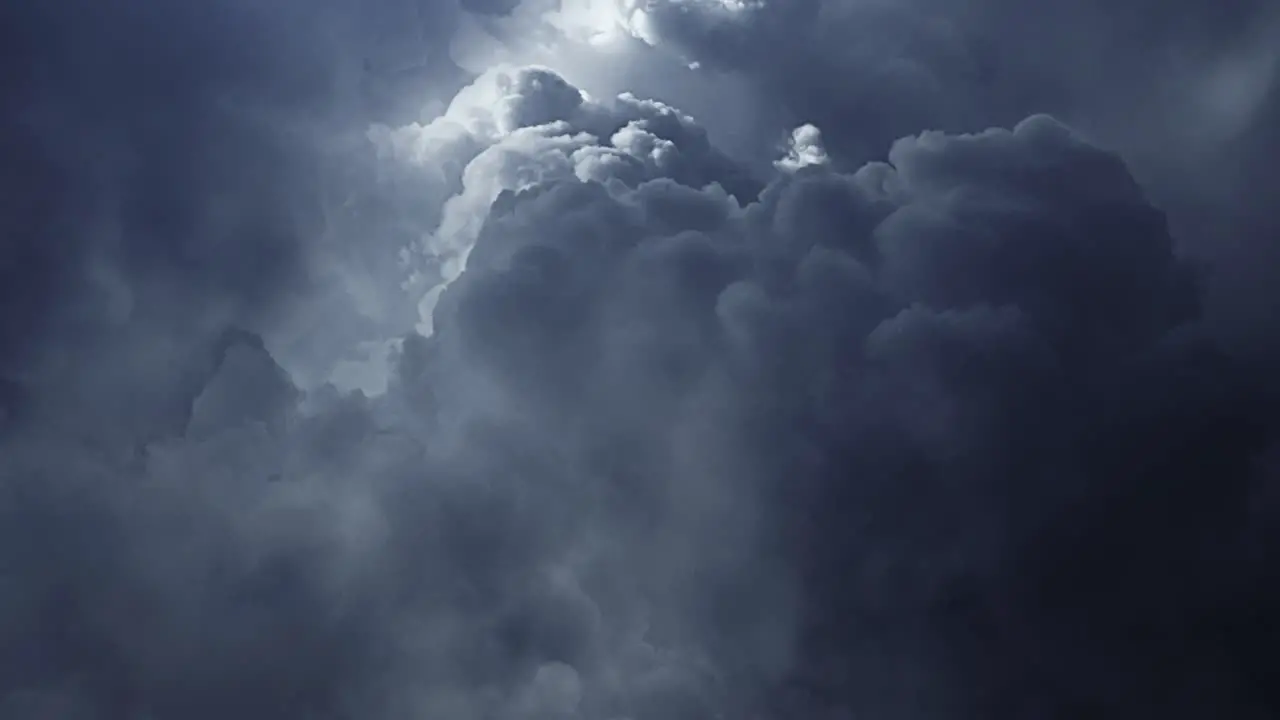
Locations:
(918, 408)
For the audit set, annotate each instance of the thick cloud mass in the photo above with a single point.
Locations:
(915, 419)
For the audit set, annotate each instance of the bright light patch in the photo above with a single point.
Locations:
(804, 148)
(598, 22)
(603, 23)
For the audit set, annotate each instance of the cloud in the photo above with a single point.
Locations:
(517, 128)
(804, 148)
(1175, 91)
(946, 64)
(934, 376)
(916, 422)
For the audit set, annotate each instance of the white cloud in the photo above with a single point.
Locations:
(804, 148)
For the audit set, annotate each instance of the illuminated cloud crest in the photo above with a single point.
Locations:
(804, 148)
(884, 420)
(518, 128)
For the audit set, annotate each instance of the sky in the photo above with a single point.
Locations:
(639, 360)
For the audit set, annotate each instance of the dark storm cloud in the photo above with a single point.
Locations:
(1008, 470)
(1135, 73)
(947, 435)
(145, 172)
(1186, 92)
(182, 167)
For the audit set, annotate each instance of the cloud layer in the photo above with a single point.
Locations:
(920, 406)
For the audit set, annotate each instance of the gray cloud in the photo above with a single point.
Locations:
(916, 423)
(1185, 92)
(932, 366)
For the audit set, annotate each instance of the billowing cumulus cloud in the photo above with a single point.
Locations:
(515, 129)
(1186, 92)
(345, 378)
